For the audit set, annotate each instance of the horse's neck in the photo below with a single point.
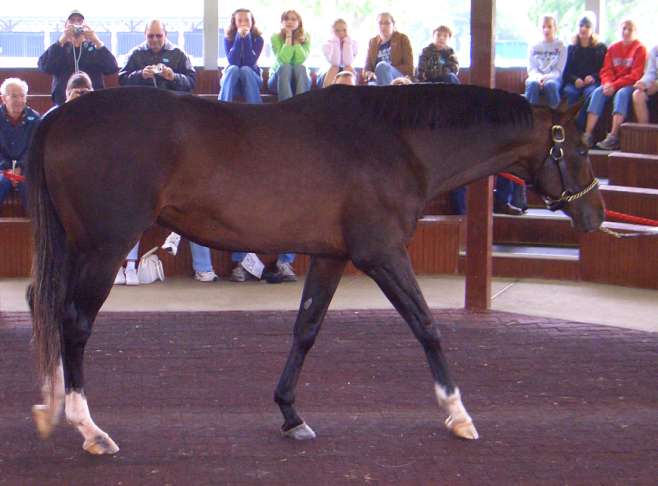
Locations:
(452, 159)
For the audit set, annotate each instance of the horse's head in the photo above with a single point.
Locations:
(561, 170)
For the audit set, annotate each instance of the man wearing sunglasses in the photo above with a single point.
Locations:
(157, 62)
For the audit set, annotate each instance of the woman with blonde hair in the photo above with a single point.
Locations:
(291, 46)
(339, 51)
(622, 68)
(546, 62)
(585, 58)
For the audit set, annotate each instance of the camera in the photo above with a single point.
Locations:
(158, 68)
(78, 29)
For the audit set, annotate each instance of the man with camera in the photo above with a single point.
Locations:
(78, 49)
(157, 62)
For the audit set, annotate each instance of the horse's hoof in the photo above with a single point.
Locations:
(101, 444)
(43, 419)
(301, 432)
(463, 430)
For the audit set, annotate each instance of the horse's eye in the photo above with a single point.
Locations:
(582, 150)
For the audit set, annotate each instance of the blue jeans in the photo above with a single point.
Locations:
(134, 253)
(240, 81)
(5, 187)
(503, 193)
(237, 257)
(551, 92)
(450, 78)
(386, 73)
(574, 95)
(621, 101)
(201, 261)
(289, 79)
(458, 200)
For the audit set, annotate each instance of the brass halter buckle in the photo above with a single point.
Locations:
(557, 133)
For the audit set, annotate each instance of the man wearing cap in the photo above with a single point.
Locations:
(78, 49)
(157, 62)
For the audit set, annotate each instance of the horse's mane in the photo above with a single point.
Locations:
(431, 106)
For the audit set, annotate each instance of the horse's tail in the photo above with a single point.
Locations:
(51, 259)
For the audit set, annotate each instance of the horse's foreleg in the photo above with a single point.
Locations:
(393, 273)
(319, 287)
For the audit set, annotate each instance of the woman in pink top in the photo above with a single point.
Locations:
(340, 52)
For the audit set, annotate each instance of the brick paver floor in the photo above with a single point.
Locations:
(188, 398)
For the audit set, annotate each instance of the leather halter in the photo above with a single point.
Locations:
(570, 192)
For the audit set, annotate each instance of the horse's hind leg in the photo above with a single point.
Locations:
(319, 287)
(47, 414)
(393, 273)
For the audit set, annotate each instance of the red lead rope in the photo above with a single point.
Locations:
(629, 218)
(13, 177)
(613, 215)
(513, 178)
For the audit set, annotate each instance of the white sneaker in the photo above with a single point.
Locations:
(206, 276)
(120, 279)
(131, 276)
(170, 244)
(286, 272)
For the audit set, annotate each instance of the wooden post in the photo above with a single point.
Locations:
(479, 229)
(210, 34)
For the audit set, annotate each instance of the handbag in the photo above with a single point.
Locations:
(150, 267)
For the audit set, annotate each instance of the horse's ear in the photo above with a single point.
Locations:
(568, 113)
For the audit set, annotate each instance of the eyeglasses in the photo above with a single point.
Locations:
(155, 36)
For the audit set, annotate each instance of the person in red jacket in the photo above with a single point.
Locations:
(622, 68)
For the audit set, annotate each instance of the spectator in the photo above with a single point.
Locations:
(78, 49)
(243, 44)
(347, 78)
(401, 81)
(389, 54)
(79, 84)
(622, 68)
(157, 62)
(339, 51)
(584, 61)
(291, 47)
(17, 123)
(545, 66)
(645, 87)
(438, 62)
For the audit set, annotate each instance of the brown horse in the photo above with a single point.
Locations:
(364, 162)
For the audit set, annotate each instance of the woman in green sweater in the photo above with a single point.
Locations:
(291, 47)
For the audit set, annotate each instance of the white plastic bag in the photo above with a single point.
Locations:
(150, 267)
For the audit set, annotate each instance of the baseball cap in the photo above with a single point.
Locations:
(75, 12)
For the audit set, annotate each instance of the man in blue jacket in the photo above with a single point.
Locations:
(17, 124)
(157, 62)
(78, 49)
